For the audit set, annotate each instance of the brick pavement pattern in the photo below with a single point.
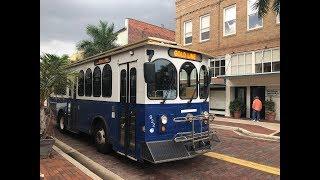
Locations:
(248, 127)
(57, 167)
(201, 167)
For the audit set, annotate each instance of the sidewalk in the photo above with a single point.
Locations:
(258, 129)
(59, 166)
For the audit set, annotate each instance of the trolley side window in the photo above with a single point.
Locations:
(81, 83)
(188, 81)
(165, 86)
(88, 82)
(96, 82)
(133, 84)
(107, 81)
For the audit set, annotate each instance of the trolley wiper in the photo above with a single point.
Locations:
(165, 98)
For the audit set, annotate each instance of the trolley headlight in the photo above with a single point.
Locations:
(164, 119)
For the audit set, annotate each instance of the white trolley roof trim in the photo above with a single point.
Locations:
(132, 46)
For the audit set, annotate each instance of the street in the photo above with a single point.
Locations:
(205, 166)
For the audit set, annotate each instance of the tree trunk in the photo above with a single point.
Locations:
(43, 119)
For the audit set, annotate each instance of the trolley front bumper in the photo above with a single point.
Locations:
(182, 147)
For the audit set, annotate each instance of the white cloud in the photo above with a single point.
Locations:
(57, 47)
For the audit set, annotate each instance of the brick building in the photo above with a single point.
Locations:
(246, 49)
(135, 30)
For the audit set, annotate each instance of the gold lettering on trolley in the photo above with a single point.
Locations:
(176, 53)
(102, 61)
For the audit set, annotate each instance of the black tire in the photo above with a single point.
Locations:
(61, 123)
(102, 141)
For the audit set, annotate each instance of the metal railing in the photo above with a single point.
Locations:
(194, 137)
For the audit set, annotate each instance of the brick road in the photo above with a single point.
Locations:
(58, 168)
(201, 167)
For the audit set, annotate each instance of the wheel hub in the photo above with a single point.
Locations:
(100, 137)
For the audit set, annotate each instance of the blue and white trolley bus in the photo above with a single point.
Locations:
(147, 101)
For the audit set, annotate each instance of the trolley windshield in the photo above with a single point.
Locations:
(165, 85)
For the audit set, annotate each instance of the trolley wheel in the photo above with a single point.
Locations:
(101, 139)
(61, 124)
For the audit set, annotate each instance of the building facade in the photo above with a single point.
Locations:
(246, 47)
(135, 30)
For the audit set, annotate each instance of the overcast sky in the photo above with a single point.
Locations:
(63, 22)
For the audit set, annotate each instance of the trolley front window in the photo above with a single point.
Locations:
(188, 81)
(165, 86)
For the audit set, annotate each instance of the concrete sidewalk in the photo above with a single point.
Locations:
(264, 130)
(271, 126)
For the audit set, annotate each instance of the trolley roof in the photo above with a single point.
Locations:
(128, 47)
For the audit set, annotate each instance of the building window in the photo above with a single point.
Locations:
(267, 61)
(187, 33)
(253, 20)
(241, 64)
(81, 83)
(107, 81)
(96, 82)
(217, 67)
(229, 20)
(204, 28)
(88, 83)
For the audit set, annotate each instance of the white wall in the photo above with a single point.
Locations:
(122, 38)
(275, 98)
(270, 81)
(218, 99)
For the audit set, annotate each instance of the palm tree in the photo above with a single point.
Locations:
(53, 75)
(53, 78)
(263, 6)
(102, 38)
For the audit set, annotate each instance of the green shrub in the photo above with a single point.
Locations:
(269, 105)
(237, 105)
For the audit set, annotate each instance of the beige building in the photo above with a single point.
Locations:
(247, 49)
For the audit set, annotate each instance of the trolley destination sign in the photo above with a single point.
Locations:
(102, 61)
(178, 53)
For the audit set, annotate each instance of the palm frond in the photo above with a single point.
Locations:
(102, 38)
(276, 6)
(263, 7)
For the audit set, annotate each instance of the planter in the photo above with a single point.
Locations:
(271, 116)
(46, 146)
(237, 114)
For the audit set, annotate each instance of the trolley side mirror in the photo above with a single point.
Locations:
(149, 69)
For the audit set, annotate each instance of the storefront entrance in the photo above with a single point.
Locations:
(241, 93)
(260, 92)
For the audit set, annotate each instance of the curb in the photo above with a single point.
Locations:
(87, 162)
(244, 132)
(76, 163)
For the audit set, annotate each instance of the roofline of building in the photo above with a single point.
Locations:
(121, 30)
(151, 24)
(147, 41)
